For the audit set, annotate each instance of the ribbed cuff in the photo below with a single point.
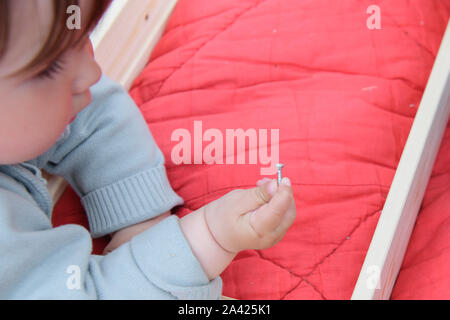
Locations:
(129, 201)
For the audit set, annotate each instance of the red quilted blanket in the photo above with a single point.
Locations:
(332, 91)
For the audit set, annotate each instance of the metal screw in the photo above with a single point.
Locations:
(279, 167)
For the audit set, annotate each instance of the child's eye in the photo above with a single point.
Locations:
(51, 70)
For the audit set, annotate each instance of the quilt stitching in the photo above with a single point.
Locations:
(365, 218)
(208, 41)
(304, 278)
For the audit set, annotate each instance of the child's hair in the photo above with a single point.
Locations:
(60, 38)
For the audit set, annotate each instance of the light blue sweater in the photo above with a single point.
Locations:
(111, 160)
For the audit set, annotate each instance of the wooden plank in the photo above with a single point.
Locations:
(123, 41)
(128, 34)
(394, 228)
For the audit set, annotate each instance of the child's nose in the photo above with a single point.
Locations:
(90, 48)
(89, 74)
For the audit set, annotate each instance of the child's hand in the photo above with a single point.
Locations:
(254, 218)
(124, 235)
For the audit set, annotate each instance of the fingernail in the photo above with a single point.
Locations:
(286, 181)
(272, 187)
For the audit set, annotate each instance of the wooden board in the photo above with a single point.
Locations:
(394, 228)
(128, 33)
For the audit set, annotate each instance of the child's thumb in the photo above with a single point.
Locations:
(256, 197)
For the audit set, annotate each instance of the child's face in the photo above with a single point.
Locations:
(35, 110)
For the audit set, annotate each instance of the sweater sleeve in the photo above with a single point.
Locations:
(112, 161)
(41, 262)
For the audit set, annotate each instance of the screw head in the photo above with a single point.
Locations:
(279, 165)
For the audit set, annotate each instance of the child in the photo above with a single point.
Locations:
(105, 151)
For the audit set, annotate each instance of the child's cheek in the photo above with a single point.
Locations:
(34, 122)
(54, 116)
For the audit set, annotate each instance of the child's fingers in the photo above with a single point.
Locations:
(278, 234)
(287, 221)
(252, 199)
(266, 219)
(262, 181)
